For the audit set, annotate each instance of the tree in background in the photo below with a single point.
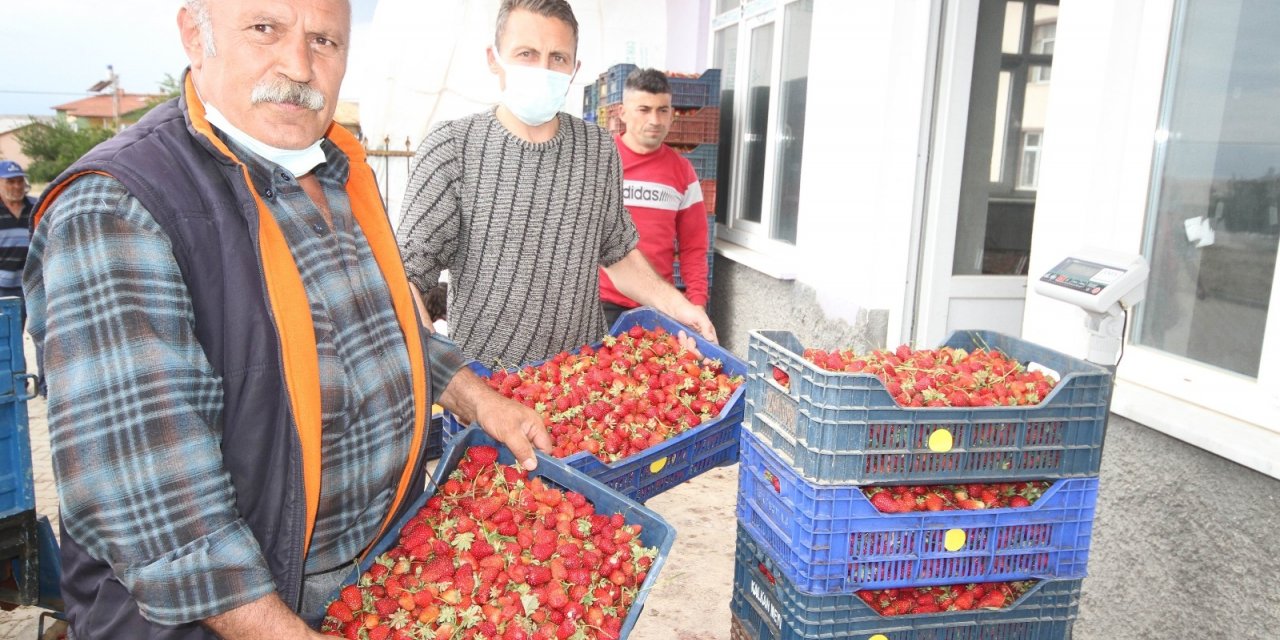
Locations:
(170, 88)
(53, 147)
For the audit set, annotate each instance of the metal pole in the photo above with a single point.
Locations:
(115, 97)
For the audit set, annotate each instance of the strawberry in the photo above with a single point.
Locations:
(933, 502)
(1018, 502)
(884, 502)
(340, 611)
(992, 600)
(385, 606)
(353, 597)
(538, 575)
(437, 570)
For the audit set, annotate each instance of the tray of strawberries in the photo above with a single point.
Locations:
(769, 606)
(982, 406)
(492, 551)
(843, 538)
(634, 411)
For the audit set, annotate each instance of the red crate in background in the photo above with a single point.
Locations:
(692, 127)
(709, 197)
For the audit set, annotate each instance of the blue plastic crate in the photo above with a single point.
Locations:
(711, 255)
(703, 158)
(845, 427)
(654, 532)
(830, 539)
(660, 467)
(686, 93)
(12, 359)
(775, 609)
(613, 80)
(695, 93)
(17, 488)
(590, 101)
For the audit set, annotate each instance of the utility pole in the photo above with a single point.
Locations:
(112, 81)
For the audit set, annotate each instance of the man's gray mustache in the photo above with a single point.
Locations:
(288, 92)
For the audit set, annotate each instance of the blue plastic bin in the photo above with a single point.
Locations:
(845, 427)
(17, 488)
(13, 362)
(696, 93)
(686, 93)
(830, 539)
(654, 532)
(661, 467)
(703, 158)
(775, 610)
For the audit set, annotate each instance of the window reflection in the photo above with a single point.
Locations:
(1214, 218)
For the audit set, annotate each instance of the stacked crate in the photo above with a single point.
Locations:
(19, 544)
(695, 129)
(810, 541)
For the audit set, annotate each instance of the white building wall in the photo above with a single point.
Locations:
(867, 84)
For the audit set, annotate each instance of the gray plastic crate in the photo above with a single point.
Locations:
(846, 428)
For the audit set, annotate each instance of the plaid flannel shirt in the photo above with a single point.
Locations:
(135, 408)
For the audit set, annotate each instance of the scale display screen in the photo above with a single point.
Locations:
(1083, 276)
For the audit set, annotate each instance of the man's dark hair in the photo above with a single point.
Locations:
(558, 9)
(648, 81)
(437, 301)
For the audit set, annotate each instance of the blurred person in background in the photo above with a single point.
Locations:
(661, 192)
(15, 228)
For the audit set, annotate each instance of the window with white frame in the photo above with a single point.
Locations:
(1042, 37)
(762, 50)
(1029, 163)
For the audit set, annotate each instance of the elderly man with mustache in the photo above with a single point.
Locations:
(238, 381)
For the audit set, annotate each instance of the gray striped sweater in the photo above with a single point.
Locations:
(522, 228)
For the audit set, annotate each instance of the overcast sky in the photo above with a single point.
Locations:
(54, 50)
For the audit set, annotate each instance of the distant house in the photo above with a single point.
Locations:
(10, 127)
(100, 110)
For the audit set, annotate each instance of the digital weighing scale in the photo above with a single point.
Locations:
(1106, 284)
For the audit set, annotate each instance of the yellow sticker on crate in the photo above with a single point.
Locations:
(879, 636)
(657, 465)
(953, 539)
(940, 441)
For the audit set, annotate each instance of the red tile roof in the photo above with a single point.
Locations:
(101, 107)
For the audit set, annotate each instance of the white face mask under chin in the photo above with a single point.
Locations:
(533, 95)
(296, 161)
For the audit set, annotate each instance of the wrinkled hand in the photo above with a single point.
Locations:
(695, 317)
(514, 425)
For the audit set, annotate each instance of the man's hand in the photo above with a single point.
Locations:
(695, 317)
(635, 279)
(515, 425)
(507, 421)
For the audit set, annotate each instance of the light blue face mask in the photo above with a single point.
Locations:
(296, 161)
(534, 95)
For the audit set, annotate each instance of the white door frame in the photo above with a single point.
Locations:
(946, 166)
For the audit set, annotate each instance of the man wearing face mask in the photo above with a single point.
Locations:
(522, 203)
(238, 383)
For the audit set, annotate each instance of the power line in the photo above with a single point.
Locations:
(47, 93)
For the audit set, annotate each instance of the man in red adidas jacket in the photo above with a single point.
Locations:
(661, 191)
